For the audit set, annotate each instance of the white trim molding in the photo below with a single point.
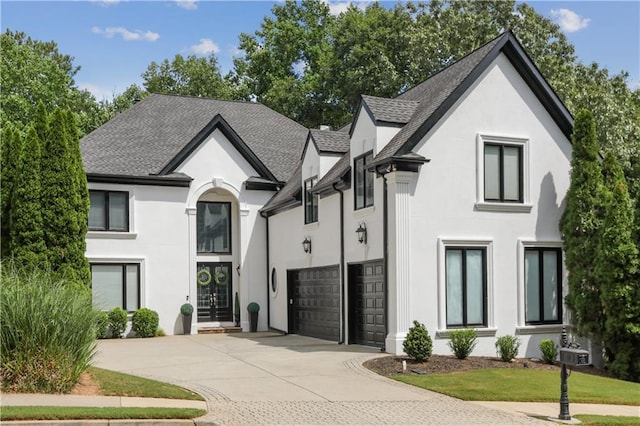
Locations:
(481, 204)
(443, 243)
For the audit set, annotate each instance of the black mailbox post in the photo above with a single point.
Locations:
(572, 357)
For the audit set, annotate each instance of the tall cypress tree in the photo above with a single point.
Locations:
(580, 225)
(11, 157)
(60, 198)
(615, 270)
(26, 234)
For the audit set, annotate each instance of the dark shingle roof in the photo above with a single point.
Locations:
(335, 173)
(437, 94)
(397, 111)
(145, 139)
(329, 141)
(289, 194)
(432, 93)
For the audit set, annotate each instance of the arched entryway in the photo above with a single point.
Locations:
(217, 250)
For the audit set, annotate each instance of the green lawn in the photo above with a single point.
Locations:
(86, 413)
(114, 384)
(120, 384)
(527, 385)
(589, 420)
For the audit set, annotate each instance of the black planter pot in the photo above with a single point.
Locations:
(186, 324)
(253, 321)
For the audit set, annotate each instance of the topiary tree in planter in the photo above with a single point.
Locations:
(418, 345)
(253, 309)
(187, 311)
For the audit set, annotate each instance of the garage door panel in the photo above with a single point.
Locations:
(316, 302)
(367, 304)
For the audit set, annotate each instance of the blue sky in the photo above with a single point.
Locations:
(114, 41)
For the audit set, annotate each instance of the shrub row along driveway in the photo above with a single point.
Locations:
(265, 379)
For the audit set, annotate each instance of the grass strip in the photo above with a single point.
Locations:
(526, 385)
(593, 420)
(113, 383)
(88, 413)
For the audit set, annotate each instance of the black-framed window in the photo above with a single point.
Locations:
(466, 286)
(503, 174)
(213, 227)
(543, 285)
(115, 285)
(363, 181)
(109, 211)
(310, 201)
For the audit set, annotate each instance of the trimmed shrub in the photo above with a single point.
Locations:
(549, 351)
(144, 322)
(45, 343)
(507, 347)
(417, 345)
(463, 342)
(117, 322)
(102, 325)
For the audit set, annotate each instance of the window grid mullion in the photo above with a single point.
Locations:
(124, 287)
(464, 287)
(541, 285)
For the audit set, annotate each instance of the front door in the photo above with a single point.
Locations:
(214, 291)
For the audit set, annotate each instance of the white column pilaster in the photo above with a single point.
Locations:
(245, 290)
(398, 287)
(191, 289)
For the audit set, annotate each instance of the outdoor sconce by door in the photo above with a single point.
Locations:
(362, 233)
(306, 245)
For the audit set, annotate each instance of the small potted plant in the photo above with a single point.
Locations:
(253, 309)
(186, 310)
(236, 310)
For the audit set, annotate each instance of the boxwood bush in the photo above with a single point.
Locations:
(102, 325)
(117, 322)
(145, 322)
(418, 344)
(549, 351)
(463, 342)
(45, 343)
(507, 347)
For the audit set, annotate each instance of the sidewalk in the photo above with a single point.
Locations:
(551, 409)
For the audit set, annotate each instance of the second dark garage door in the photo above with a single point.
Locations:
(367, 316)
(314, 302)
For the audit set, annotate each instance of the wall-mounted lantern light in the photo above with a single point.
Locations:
(306, 245)
(362, 233)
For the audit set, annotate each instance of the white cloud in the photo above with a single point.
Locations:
(205, 47)
(568, 20)
(187, 4)
(106, 3)
(99, 92)
(111, 32)
(338, 7)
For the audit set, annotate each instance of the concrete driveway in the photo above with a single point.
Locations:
(261, 378)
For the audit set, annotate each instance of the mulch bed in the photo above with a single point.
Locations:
(392, 364)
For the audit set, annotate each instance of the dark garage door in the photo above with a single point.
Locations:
(367, 318)
(314, 302)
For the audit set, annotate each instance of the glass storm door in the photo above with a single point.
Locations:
(214, 291)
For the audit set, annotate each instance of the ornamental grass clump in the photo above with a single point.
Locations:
(144, 322)
(507, 347)
(45, 343)
(549, 351)
(463, 342)
(418, 345)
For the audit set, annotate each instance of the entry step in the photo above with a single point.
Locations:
(215, 330)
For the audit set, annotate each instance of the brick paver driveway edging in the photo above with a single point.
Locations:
(265, 379)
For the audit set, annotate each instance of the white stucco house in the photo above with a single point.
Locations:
(440, 205)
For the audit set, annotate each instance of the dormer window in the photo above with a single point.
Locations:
(363, 180)
(310, 201)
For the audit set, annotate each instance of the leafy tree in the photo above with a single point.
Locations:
(580, 225)
(63, 214)
(26, 231)
(616, 270)
(191, 76)
(33, 71)
(11, 151)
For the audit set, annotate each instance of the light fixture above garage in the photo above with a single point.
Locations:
(306, 245)
(362, 233)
